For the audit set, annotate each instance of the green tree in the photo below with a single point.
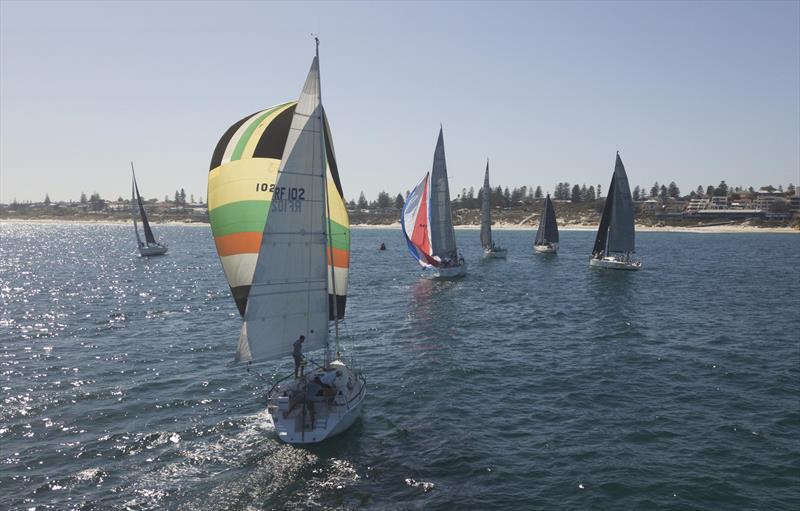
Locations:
(398, 201)
(673, 190)
(47, 199)
(590, 196)
(700, 191)
(96, 202)
(721, 190)
(654, 190)
(710, 191)
(83, 198)
(362, 201)
(576, 194)
(599, 191)
(538, 193)
(662, 192)
(384, 201)
(635, 193)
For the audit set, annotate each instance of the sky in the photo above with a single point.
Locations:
(691, 92)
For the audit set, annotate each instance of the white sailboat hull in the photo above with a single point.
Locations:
(495, 253)
(550, 248)
(152, 250)
(295, 427)
(612, 263)
(451, 272)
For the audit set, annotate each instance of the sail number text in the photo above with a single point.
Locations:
(282, 192)
(285, 199)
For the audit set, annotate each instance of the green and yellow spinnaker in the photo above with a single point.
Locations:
(241, 180)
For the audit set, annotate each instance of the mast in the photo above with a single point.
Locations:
(328, 221)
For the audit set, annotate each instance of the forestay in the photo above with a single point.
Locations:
(289, 293)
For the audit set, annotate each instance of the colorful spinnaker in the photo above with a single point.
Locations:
(241, 184)
(415, 219)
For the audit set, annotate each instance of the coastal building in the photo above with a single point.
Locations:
(765, 197)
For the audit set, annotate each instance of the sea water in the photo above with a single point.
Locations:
(532, 383)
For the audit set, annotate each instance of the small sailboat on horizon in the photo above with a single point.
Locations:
(546, 241)
(148, 247)
(489, 248)
(427, 221)
(282, 233)
(615, 241)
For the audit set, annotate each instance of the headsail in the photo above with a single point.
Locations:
(486, 211)
(415, 221)
(148, 233)
(602, 230)
(289, 291)
(241, 185)
(548, 228)
(443, 237)
(621, 230)
(135, 211)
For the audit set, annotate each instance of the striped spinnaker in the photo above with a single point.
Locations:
(241, 183)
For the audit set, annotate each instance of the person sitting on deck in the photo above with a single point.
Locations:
(306, 396)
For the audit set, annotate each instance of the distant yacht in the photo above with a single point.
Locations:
(489, 248)
(615, 237)
(148, 247)
(546, 241)
(428, 222)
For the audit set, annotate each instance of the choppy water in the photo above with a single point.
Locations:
(532, 383)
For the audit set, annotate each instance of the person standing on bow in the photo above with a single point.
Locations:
(297, 354)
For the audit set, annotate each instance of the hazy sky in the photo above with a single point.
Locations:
(692, 92)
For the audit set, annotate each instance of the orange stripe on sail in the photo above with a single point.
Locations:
(238, 243)
(341, 258)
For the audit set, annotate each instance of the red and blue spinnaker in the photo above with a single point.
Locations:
(415, 219)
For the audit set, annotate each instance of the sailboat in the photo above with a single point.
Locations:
(148, 247)
(281, 228)
(615, 236)
(546, 241)
(427, 221)
(489, 248)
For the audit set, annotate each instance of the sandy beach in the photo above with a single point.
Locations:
(715, 229)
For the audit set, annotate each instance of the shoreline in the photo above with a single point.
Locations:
(715, 229)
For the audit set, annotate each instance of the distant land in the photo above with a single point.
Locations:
(767, 207)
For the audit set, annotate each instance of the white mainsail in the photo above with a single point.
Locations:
(289, 293)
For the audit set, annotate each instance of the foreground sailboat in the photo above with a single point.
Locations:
(281, 229)
(148, 247)
(546, 241)
(428, 222)
(489, 248)
(615, 237)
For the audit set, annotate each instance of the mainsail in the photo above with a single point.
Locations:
(148, 233)
(443, 237)
(241, 186)
(486, 211)
(289, 292)
(616, 231)
(548, 228)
